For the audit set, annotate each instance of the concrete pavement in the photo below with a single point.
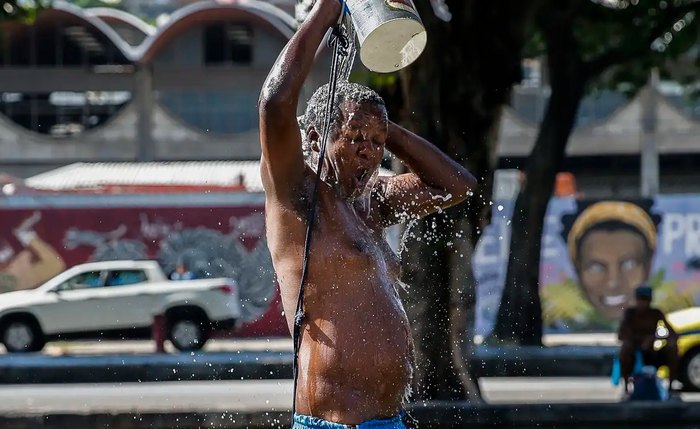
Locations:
(488, 361)
(127, 347)
(264, 395)
(134, 361)
(72, 348)
(533, 403)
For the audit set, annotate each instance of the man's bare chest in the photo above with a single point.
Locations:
(343, 235)
(346, 237)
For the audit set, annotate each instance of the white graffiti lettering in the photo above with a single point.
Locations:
(157, 229)
(681, 230)
(252, 225)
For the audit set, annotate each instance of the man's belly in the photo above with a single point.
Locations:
(356, 355)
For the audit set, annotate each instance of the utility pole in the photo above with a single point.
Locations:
(649, 168)
(144, 107)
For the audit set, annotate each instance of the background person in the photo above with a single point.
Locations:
(182, 272)
(639, 331)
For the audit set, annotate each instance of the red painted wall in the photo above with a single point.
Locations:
(36, 244)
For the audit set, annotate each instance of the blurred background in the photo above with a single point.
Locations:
(129, 133)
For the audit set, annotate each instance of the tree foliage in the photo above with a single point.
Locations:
(98, 3)
(22, 10)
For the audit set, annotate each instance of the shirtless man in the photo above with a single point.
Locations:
(355, 360)
(638, 332)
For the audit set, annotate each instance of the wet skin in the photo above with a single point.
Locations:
(611, 265)
(355, 359)
(356, 349)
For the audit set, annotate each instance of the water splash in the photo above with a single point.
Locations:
(441, 10)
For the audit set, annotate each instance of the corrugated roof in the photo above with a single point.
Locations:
(84, 175)
(199, 173)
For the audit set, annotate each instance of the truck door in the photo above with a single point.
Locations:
(131, 297)
(77, 306)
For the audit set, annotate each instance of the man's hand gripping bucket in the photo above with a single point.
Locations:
(390, 32)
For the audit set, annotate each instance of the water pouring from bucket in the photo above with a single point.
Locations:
(390, 32)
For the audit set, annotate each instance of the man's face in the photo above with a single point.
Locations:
(358, 146)
(610, 266)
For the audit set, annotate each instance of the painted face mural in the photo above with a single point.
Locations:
(594, 254)
(611, 245)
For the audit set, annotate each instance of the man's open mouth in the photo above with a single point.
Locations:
(362, 176)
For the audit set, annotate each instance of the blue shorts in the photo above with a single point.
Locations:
(307, 422)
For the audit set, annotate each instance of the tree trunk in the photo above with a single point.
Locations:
(519, 317)
(454, 95)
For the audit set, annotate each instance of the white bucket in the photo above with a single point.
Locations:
(390, 32)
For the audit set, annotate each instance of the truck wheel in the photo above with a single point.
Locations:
(690, 371)
(22, 335)
(187, 331)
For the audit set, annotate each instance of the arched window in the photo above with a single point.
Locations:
(214, 112)
(226, 43)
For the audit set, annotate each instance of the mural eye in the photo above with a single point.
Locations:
(629, 264)
(595, 268)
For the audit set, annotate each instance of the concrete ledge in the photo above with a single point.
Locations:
(41, 369)
(560, 361)
(443, 415)
(446, 415)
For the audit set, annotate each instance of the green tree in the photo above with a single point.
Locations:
(117, 4)
(586, 43)
(22, 10)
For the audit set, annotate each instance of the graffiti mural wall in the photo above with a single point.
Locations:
(227, 241)
(594, 253)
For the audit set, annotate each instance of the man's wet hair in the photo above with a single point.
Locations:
(315, 108)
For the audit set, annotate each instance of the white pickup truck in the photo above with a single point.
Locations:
(117, 299)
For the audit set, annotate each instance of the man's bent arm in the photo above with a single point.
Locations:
(282, 164)
(435, 180)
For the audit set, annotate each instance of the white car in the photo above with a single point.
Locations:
(117, 299)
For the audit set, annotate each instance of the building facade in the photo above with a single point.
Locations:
(102, 85)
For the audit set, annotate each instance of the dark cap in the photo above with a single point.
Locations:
(643, 292)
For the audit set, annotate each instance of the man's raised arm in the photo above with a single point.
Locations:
(435, 181)
(282, 163)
